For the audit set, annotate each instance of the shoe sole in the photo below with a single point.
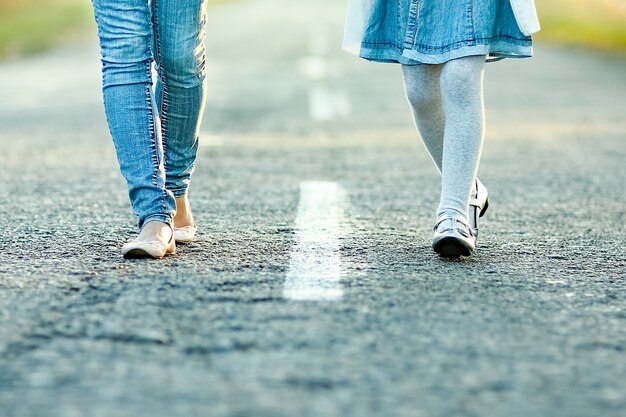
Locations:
(449, 247)
(139, 253)
(184, 242)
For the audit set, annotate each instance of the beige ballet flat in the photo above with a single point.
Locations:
(185, 234)
(149, 249)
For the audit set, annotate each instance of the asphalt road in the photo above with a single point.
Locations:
(533, 325)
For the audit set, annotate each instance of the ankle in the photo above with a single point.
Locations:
(451, 213)
(183, 215)
(156, 230)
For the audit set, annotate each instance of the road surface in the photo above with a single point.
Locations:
(312, 289)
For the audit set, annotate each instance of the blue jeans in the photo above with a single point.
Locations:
(154, 127)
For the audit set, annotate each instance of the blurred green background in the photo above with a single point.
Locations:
(29, 26)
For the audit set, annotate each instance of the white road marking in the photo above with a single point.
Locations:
(316, 68)
(319, 40)
(326, 105)
(315, 267)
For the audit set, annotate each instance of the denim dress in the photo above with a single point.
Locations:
(436, 31)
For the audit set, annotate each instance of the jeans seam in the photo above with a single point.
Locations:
(157, 54)
(152, 128)
(470, 17)
(154, 150)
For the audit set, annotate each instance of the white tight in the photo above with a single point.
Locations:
(447, 103)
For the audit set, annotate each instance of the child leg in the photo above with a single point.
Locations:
(423, 91)
(462, 93)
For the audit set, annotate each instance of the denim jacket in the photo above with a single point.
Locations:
(359, 13)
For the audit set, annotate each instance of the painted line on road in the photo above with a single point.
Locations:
(320, 40)
(314, 67)
(326, 105)
(314, 272)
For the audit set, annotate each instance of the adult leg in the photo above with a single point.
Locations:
(125, 40)
(179, 29)
(179, 33)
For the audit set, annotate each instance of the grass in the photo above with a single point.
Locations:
(30, 26)
(595, 23)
